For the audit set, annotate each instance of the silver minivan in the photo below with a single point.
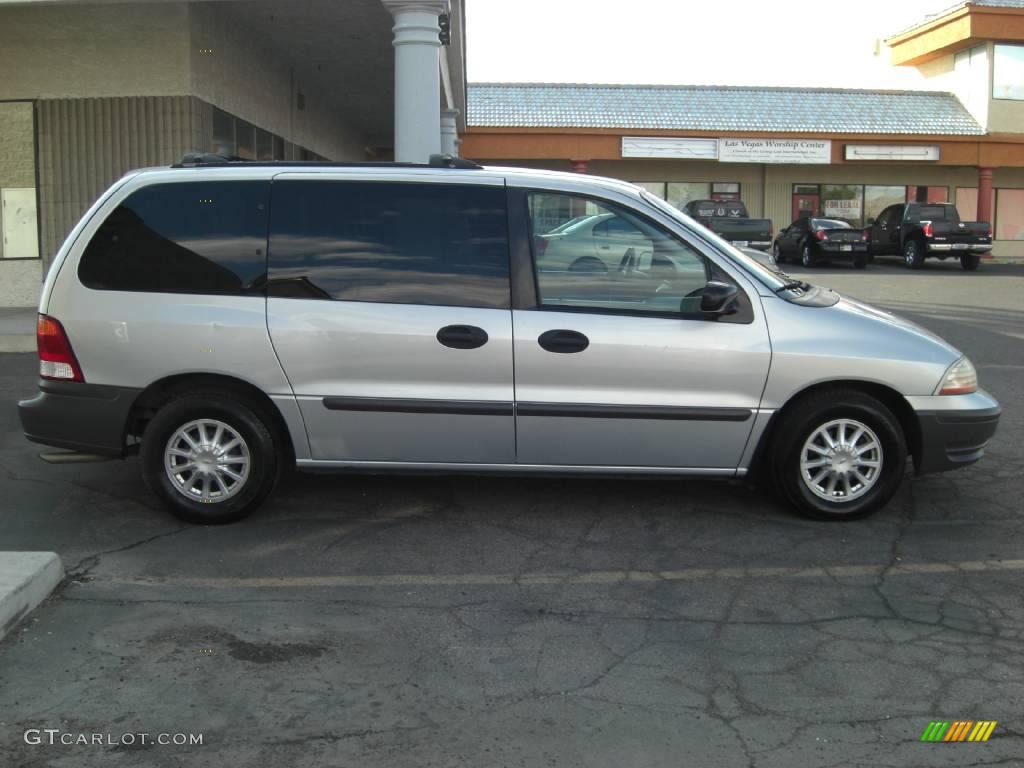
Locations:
(229, 321)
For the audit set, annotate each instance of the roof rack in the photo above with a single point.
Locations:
(207, 159)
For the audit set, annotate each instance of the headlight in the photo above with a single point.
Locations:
(960, 379)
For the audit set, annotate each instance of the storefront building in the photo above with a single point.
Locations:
(788, 152)
(93, 90)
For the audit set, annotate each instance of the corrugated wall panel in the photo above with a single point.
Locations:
(87, 144)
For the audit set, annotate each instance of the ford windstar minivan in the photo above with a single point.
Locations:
(228, 321)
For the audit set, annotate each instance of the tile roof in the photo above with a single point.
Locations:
(717, 108)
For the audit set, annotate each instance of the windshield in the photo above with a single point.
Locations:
(774, 280)
(829, 224)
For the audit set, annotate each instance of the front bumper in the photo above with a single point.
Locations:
(954, 430)
(90, 418)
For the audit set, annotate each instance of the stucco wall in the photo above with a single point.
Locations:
(1005, 116)
(234, 67)
(158, 49)
(58, 51)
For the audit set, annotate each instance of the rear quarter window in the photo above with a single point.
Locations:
(189, 237)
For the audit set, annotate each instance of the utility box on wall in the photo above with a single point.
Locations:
(19, 223)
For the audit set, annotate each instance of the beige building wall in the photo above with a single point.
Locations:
(234, 67)
(62, 51)
(1005, 116)
(122, 86)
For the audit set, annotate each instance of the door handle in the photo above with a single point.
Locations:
(563, 342)
(462, 336)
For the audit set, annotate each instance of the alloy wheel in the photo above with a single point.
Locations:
(207, 461)
(841, 460)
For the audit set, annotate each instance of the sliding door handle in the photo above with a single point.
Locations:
(563, 341)
(462, 336)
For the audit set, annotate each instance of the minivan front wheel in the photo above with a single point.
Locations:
(839, 455)
(210, 458)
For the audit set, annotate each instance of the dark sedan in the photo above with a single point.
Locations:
(813, 241)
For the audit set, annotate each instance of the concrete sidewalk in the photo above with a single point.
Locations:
(18, 329)
(26, 579)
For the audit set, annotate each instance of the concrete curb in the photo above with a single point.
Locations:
(18, 343)
(26, 579)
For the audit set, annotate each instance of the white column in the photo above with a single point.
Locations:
(449, 132)
(417, 78)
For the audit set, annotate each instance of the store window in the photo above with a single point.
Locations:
(223, 133)
(877, 198)
(1009, 214)
(233, 137)
(656, 188)
(682, 192)
(844, 202)
(1008, 72)
(725, 191)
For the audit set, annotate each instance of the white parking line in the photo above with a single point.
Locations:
(566, 579)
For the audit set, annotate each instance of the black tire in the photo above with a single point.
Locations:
(777, 253)
(913, 254)
(970, 261)
(807, 256)
(802, 419)
(860, 261)
(241, 417)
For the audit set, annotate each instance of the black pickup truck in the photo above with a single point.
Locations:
(730, 221)
(917, 231)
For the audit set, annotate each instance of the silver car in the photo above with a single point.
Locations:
(229, 321)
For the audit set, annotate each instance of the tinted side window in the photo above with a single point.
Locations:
(398, 243)
(189, 237)
(650, 272)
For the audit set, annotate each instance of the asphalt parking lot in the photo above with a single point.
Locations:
(381, 621)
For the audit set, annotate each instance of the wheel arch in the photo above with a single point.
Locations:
(153, 397)
(888, 396)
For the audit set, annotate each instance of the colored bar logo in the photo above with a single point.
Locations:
(958, 730)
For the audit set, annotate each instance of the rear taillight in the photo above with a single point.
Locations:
(820, 234)
(771, 230)
(864, 236)
(540, 244)
(56, 358)
(990, 230)
(927, 227)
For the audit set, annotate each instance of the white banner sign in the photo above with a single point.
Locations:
(841, 209)
(656, 146)
(892, 152)
(797, 151)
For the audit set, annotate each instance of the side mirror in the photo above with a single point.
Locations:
(871, 220)
(718, 298)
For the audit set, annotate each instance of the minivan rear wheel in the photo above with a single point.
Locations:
(838, 455)
(209, 458)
